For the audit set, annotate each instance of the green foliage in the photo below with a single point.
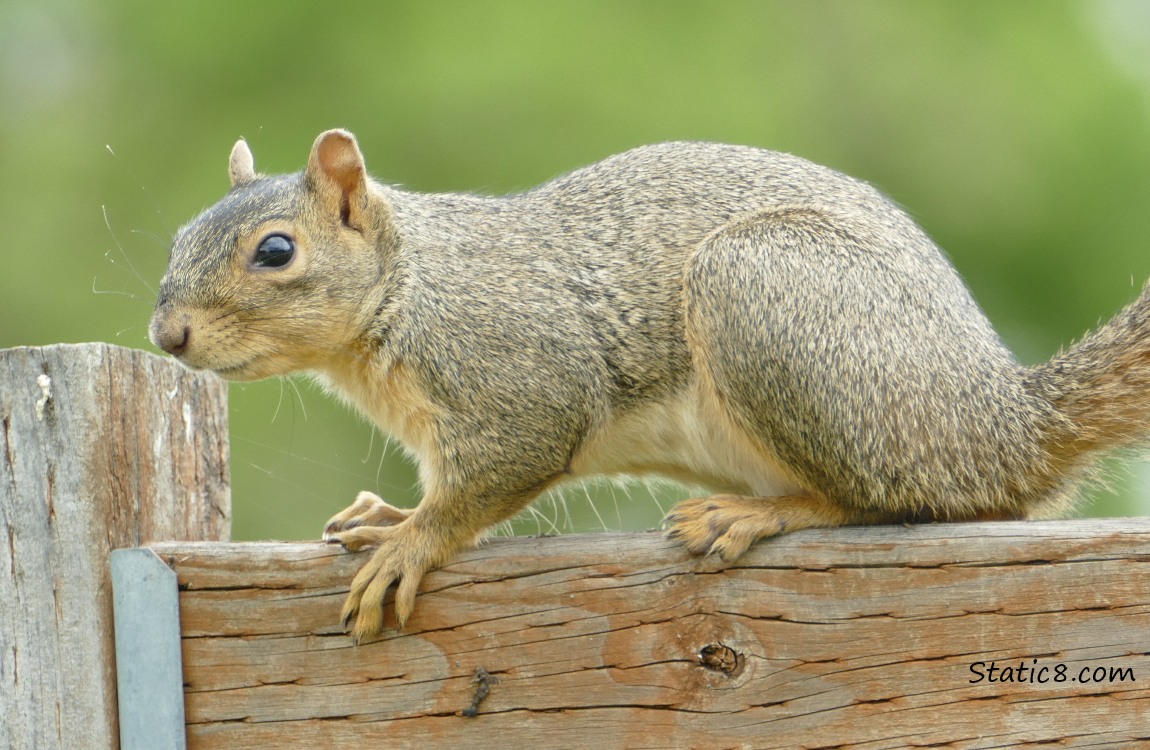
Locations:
(1015, 131)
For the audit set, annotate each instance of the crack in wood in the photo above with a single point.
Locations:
(9, 454)
(191, 588)
(15, 665)
(364, 718)
(1141, 608)
(192, 689)
(12, 551)
(332, 681)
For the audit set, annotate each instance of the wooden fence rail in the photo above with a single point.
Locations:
(859, 638)
(957, 636)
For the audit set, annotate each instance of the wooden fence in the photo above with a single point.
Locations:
(100, 447)
(957, 636)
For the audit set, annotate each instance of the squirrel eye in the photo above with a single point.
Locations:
(275, 251)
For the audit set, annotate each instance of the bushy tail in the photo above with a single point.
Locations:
(1100, 387)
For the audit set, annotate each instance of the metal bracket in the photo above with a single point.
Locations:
(149, 669)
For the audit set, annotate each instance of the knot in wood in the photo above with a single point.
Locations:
(721, 658)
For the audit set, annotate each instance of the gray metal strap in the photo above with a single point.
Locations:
(149, 672)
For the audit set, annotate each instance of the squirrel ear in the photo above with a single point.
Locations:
(241, 164)
(337, 172)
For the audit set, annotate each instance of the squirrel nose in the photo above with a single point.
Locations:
(175, 341)
(171, 333)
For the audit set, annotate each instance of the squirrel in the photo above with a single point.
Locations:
(736, 318)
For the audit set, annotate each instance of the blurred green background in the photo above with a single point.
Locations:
(1017, 133)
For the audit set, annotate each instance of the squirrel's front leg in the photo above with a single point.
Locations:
(444, 524)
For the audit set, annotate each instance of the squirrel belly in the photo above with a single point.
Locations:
(732, 317)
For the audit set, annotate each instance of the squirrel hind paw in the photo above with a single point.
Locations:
(725, 526)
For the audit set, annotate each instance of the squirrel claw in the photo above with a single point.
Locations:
(362, 613)
(353, 540)
(368, 509)
(395, 561)
(348, 614)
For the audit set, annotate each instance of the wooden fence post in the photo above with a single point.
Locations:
(100, 447)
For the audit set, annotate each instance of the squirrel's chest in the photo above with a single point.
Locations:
(392, 397)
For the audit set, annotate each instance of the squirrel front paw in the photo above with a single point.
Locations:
(369, 509)
(402, 556)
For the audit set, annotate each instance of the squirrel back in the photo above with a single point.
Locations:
(733, 317)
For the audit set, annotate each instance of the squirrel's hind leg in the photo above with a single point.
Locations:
(726, 525)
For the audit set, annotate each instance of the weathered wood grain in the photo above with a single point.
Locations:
(859, 638)
(90, 436)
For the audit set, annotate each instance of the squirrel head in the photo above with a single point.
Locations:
(283, 273)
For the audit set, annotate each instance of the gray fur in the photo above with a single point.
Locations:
(691, 285)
